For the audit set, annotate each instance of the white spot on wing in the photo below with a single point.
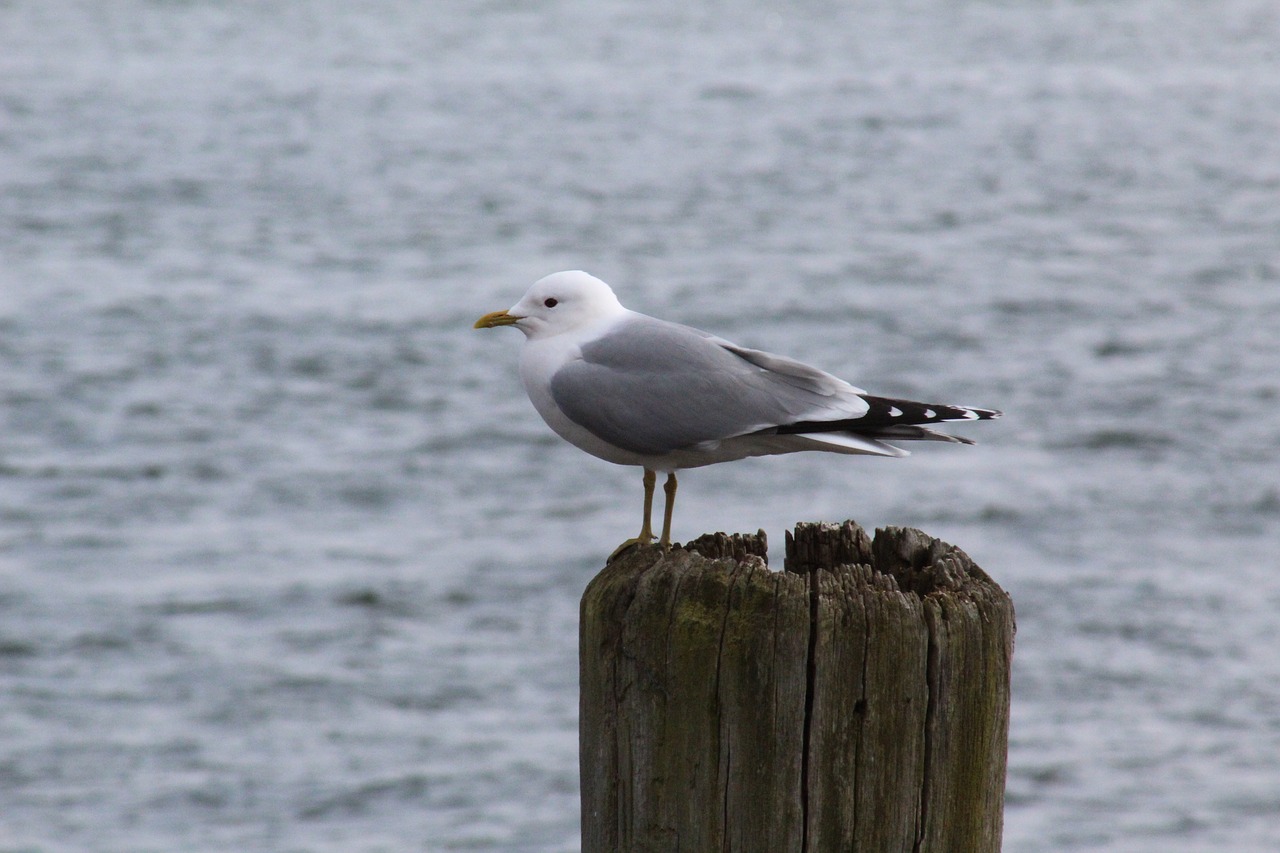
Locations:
(895, 412)
(930, 413)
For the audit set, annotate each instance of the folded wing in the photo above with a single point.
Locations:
(653, 387)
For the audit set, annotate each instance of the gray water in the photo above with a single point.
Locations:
(288, 562)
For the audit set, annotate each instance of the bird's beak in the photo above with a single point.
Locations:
(497, 318)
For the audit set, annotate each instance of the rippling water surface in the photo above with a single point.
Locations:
(287, 561)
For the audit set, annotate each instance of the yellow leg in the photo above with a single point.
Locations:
(646, 529)
(670, 488)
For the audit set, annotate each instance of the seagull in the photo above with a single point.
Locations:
(635, 390)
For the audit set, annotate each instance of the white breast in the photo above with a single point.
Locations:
(539, 361)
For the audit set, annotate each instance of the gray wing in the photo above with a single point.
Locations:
(791, 371)
(652, 387)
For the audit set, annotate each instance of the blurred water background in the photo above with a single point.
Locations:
(288, 562)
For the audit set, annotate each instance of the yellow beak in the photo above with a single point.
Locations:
(497, 318)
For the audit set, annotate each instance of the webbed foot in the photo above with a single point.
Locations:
(628, 546)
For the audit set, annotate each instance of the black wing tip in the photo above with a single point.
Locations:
(886, 410)
(890, 418)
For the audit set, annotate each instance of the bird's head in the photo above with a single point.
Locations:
(559, 303)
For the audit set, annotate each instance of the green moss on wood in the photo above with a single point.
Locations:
(704, 681)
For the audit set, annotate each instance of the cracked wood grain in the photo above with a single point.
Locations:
(856, 701)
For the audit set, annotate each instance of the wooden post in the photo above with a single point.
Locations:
(858, 701)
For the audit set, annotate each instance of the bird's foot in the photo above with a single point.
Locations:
(630, 544)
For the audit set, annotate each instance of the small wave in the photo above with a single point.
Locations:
(1119, 439)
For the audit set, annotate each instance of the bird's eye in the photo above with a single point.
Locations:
(551, 303)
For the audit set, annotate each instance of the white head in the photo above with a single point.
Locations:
(559, 303)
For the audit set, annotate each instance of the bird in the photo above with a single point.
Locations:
(639, 391)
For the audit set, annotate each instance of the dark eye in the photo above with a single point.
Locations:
(551, 303)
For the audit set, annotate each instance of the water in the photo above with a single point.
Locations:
(287, 562)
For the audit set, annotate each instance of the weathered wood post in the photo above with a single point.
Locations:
(858, 701)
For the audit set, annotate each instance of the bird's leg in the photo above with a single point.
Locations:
(670, 488)
(646, 529)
